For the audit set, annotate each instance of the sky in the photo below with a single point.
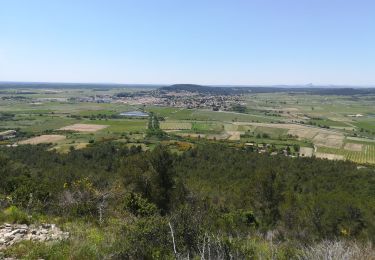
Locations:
(216, 42)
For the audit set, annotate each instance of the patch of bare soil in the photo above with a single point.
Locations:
(43, 139)
(306, 151)
(329, 140)
(353, 147)
(84, 127)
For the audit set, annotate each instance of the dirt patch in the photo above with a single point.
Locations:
(81, 146)
(84, 127)
(306, 151)
(321, 137)
(234, 135)
(230, 127)
(353, 147)
(223, 136)
(43, 139)
(282, 126)
(329, 140)
(304, 133)
(329, 156)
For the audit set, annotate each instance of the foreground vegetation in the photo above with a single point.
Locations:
(210, 202)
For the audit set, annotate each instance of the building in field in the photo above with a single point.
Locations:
(134, 114)
(7, 134)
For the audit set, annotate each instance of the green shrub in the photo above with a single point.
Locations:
(15, 215)
(139, 206)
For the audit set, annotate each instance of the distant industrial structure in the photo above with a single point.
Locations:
(134, 114)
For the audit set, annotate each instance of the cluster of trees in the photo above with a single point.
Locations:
(303, 198)
(16, 98)
(239, 108)
(153, 127)
(211, 199)
(319, 125)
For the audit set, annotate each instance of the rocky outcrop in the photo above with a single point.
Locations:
(13, 233)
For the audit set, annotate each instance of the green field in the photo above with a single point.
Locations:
(175, 125)
(367, 155)
(121, 125)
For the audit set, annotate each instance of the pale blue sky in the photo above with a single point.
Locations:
(188, 41)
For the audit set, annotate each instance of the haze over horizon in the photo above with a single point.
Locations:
(203, 42)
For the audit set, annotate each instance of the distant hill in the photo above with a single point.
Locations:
(204, 89)
(187, 87)
(233, 90)
(214, 90)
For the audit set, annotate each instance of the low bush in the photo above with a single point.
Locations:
(14, 215)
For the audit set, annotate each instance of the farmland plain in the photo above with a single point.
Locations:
(330, 124)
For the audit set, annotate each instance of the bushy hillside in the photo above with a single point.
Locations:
(121, 203)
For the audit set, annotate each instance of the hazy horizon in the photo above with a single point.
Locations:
(182, 83)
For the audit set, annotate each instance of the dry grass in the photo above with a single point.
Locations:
(322, 137)
(319, 136)
(230, 127)
(84, 127)
(338, 250)
(234, 135)
(306, 151)
(304, 133)
(223, 136)
(353, 147)
(329, 140)
(329, 156)
(43, 139)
